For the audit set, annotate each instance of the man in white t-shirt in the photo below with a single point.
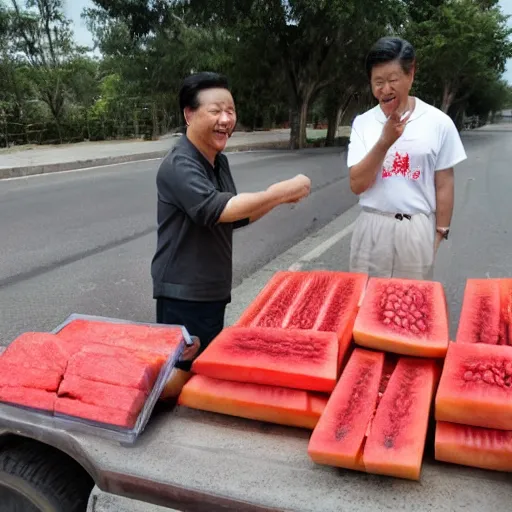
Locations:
(401, 158)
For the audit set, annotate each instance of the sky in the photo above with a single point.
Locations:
(74, 9)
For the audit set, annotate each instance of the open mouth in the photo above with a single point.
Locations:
(221, 134)
(387, 101)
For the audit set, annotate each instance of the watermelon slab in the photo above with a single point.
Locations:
(108, 416)
(476, 386)
(318, 300)
(157, 358)
(403, 316)
(37, 350)
(28, 397)
(296, 359)
(338, 439)
(102, 394)
(376, 419)
(284, 406)
(121, 371)
(18, 377)
(486, 312)
(80, 332)
(398, 433)
(474, 446)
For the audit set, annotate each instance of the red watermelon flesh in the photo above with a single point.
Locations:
(398, 432)
(476, 386)
(120, 371)
(338, 438)
(279, 405)
(100, 414)
(376, 418)
(102, 394)
(33, 398)
(403, 316)
(37, 350)
(319, 300)
(294, 359)
(13, 376)
(81, 332)
(474, 446)
(486, 315)
(150, 357)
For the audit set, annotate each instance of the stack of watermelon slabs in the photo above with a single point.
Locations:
(474, 400)
(282, 359)
(93, 370)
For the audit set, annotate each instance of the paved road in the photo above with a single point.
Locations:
(82, 242)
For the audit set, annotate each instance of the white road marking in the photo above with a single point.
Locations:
(322, 248)
(77, 170)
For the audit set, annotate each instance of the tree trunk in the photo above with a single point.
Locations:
(335, 117)
(154, 111)
(298, 124)
(448, 97)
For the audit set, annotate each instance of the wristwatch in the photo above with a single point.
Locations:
(444, 232)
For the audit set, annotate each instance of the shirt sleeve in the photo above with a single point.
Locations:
(184, 184)
(356, 147)
(452, 150)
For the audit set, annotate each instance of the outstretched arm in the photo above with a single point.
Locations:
(257, 204)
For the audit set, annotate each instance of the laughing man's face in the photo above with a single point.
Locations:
(391, 86)
(215, 119)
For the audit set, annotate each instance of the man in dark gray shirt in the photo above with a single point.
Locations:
(198, 209)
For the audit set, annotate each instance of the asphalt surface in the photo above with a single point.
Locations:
(83, 241)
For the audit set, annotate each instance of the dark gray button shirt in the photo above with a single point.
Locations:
(193, 260)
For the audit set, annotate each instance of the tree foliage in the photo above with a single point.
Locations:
(290, 62)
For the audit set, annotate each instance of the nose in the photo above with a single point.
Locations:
(224, 117)
(386, 89)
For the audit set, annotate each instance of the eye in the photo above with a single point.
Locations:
(215, 112)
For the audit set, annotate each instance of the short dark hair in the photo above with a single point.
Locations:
(388, 49)
(194, 84)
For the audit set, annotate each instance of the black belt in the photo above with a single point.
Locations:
(402, 216)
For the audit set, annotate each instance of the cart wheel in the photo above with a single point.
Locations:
(37, 478)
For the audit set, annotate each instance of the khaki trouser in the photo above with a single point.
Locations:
(385, 246)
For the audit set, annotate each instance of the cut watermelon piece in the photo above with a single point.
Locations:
(16, 377)
(37, 350)
(129, 372)
(320, 300)
(157, 358)
(476, 386)
(105, 415)
(283, 406)
(405, 317)
(102, 394)
(398, 433)
(376, 419)
(304, 360)
(486, 312)
(27, 397)
(82, 332)
(474, 446)
(339, 436)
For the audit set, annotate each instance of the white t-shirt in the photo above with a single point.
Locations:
(405, 184)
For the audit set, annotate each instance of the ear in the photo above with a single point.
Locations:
(188, 114)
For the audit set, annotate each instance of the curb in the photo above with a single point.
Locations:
(32, 170)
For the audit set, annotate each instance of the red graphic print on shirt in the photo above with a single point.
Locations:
(400, 166)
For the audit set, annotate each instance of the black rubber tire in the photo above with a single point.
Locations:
(36, 474)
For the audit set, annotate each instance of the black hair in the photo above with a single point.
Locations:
(388, 49)
(194, 84)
